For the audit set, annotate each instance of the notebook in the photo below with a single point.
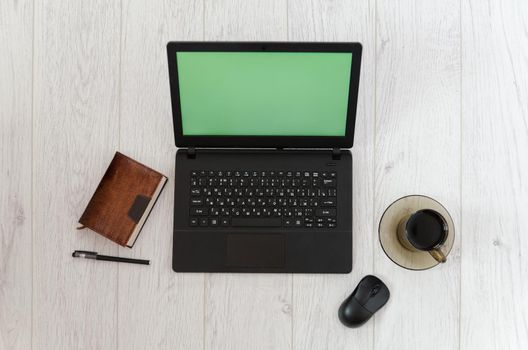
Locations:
(123, 200)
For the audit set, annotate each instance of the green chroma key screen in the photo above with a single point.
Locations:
(264, 93)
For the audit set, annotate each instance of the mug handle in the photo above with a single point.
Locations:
(438, 255)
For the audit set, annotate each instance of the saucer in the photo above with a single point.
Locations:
(388, 236)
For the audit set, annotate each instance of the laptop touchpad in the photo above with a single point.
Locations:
(255, 250)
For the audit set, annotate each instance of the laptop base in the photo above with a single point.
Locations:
(274, 248)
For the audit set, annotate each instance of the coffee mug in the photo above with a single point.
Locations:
(425, 230)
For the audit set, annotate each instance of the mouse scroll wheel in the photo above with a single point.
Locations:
(375, 290)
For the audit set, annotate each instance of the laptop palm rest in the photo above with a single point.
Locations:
(255, 250)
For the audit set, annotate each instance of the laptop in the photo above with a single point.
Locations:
(263, 179)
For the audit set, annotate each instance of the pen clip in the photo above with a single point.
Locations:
(84, 254)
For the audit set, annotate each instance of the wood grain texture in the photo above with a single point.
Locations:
(16, 60)
(76, 100)
(494, 175)
(245, 311)
(245, 20)
(158, 309)
(316, 298)
(443, 111)
(418, 152)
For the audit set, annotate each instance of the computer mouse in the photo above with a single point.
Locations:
(369, 296)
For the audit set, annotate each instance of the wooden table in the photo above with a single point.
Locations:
(443, 111)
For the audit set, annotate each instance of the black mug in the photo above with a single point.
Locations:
(425, 230)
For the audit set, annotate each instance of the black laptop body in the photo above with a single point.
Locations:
(263, 178)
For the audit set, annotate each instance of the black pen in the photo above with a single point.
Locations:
(94, 255)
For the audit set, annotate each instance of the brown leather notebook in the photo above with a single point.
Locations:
(123, 200)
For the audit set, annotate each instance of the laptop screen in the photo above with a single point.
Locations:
(264, 93)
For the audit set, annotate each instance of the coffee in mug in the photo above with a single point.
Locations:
(425, 230)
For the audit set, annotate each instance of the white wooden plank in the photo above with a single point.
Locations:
(246, 20)
(76, 100)
(16, 59)
(494, 175)
(316, 298)
(418, 152)
(167, 309)
(247, 310)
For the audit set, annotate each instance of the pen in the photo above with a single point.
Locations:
(94, 255)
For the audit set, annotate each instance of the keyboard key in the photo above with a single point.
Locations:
(256, 222)
(196, 201)
(224, 222)
(287, 222)
(195, 192)
(204, 222)
(329, 182)
(193, 222)
(325, 212)
(329, 202)
(198, 211)
(213, 222)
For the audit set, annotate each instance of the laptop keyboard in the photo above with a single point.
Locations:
(243, 198)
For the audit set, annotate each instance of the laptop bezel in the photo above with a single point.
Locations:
(251, 141)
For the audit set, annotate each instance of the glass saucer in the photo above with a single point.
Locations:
(389, 238)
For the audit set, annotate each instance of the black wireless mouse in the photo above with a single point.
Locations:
(369, 296)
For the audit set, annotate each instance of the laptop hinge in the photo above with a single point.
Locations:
(191, 153)
(336, 153)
